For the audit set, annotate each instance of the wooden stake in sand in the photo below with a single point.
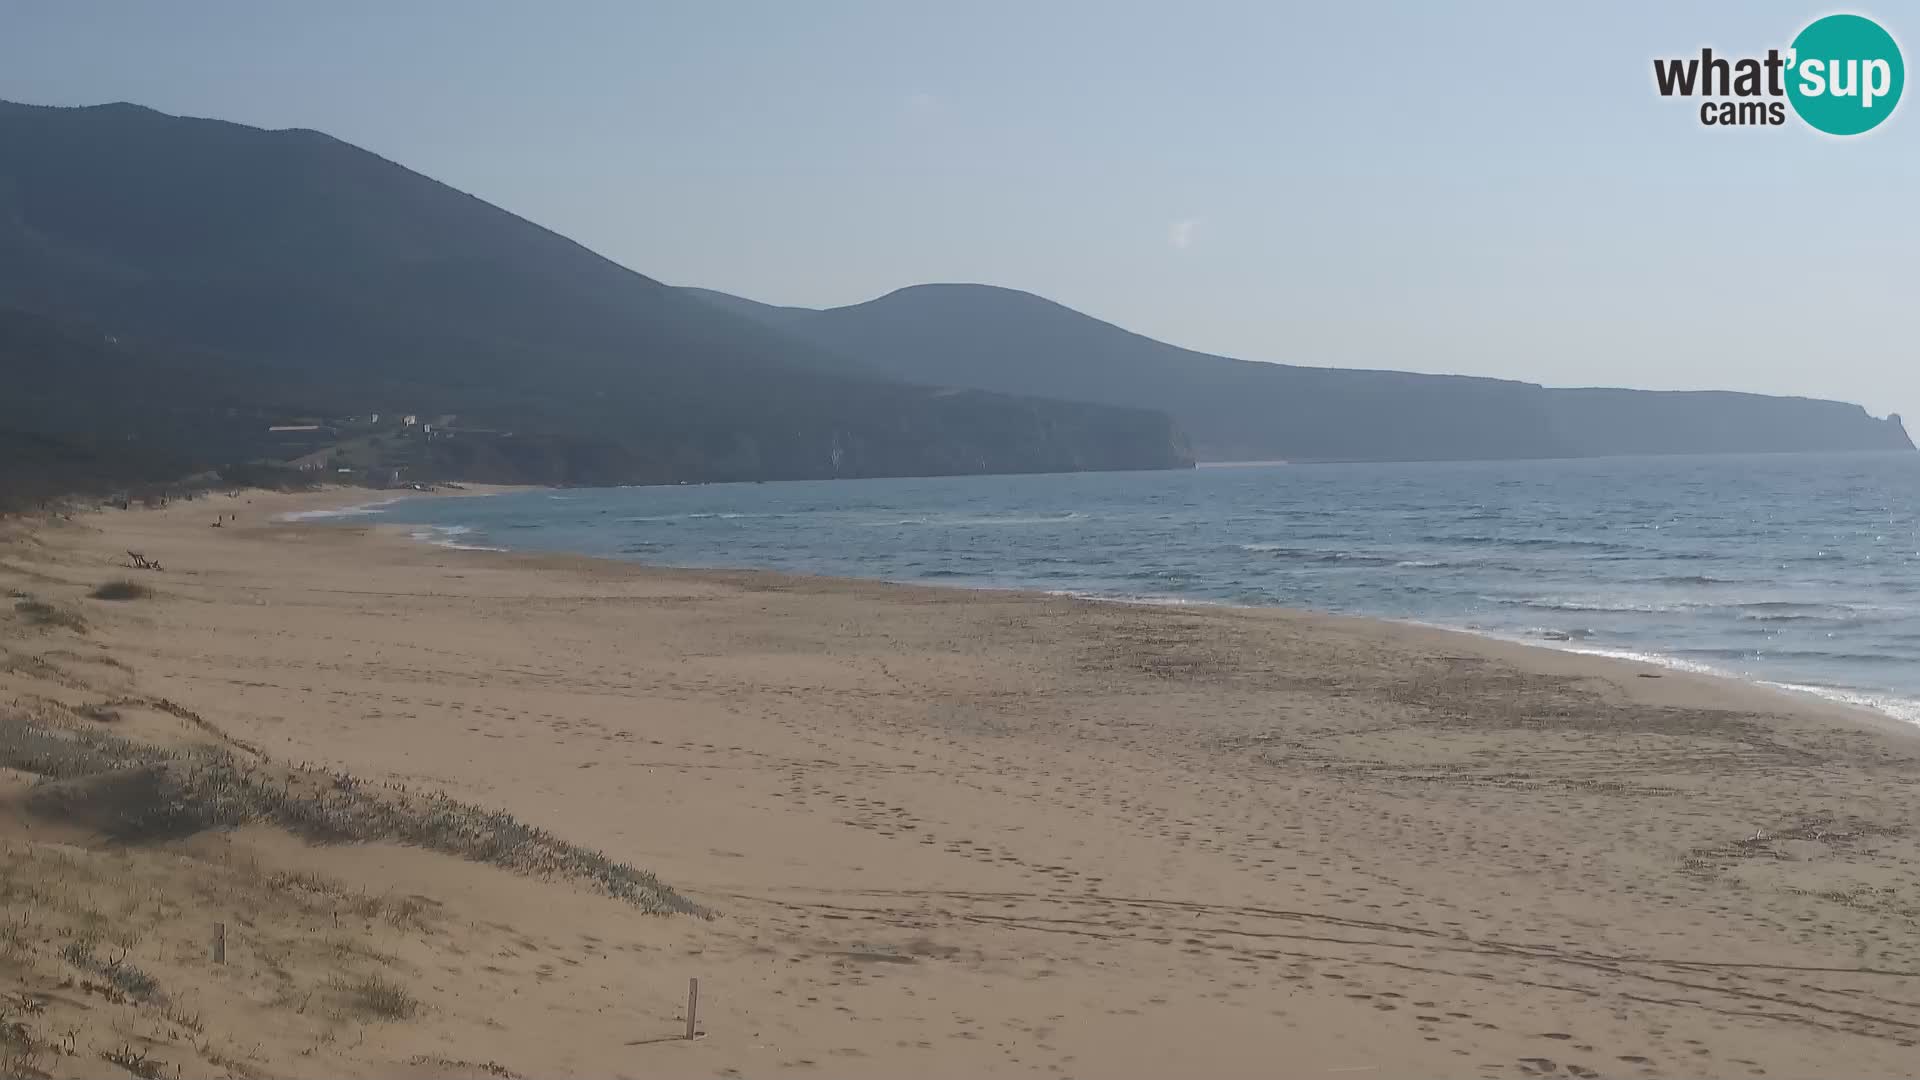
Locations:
(219, 943)
(693, 1003)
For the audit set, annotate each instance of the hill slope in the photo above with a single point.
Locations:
(325, 279)
(1014, 342)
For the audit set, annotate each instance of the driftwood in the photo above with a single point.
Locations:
(141, 562)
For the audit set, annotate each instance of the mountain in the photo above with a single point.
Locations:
(1014, 342)
(195, 276)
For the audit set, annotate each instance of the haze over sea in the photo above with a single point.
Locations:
(1796, 570)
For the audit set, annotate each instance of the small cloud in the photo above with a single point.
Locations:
(1180, 233)
(920, 101)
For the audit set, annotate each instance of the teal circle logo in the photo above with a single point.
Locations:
(1845, 74)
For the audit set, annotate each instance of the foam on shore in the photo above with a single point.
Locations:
(356, 510)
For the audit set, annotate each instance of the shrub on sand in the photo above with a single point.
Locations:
(121, 590)
(41, 613)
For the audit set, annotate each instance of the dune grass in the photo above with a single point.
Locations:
(135, 792)
(375, 995)
(41, 613)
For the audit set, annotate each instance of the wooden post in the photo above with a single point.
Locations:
(219, 943)
(693, 1004)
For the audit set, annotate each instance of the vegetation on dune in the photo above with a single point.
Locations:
(40, 613)
(376, 995)
(135, 792)
(121, 589)
(119, 973)
(123, 923)
(76, 918)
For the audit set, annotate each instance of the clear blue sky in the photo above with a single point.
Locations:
(1493, 188)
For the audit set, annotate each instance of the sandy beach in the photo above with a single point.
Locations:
(955, 833)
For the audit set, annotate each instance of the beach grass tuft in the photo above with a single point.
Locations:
(378, 996)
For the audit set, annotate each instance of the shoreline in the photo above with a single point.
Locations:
(954, 831)
(1902, 713)
(335, 507)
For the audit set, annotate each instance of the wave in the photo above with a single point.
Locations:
(706, 515)
(1569, 543)
(1664, 660)
(446, 536)
(1017, 519)
(1899, 708)
(1789, 611)
(974, 522)
(1763, 611)
(1815, 655)
(359, 510)
(1602, 606)
(1315, 555)
(1142, 599)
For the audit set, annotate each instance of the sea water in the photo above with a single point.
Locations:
(1796, 570)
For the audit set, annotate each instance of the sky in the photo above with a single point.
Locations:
(1489, 189)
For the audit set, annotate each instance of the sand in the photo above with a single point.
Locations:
(956, 833)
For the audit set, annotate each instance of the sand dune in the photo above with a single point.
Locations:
(942, 833)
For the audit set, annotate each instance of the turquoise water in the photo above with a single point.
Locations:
(1799, 570)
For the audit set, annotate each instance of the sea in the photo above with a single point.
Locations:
(1801, 571)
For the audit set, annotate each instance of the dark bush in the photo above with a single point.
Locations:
(121, 590)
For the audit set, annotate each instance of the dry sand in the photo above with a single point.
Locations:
(953, 833)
